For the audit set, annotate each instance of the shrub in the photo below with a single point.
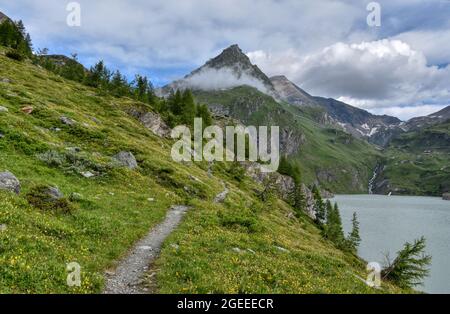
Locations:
(15, 55)
(40, 198)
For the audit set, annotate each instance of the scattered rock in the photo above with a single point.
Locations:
(279, 248)
(237, 250)
(126, 159)
(3, 227)
(446, 197)
(2, 135)
(55, 129)
(175, 246)
(5, 80)
(220, 198)
(150, 199)
(67, 121)
(73, 149)
(110, 273)
(9, 182)
(27, 109)
(87, 174)
(74, 197)
(54, 193)
(3, 109)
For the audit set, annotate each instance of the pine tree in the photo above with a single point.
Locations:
(319, 206)
(188, 108)
(98, 76)
(118, 85)
(353, 239)
(143, 89)
(410, 266)
(203, 112)
(333, 228)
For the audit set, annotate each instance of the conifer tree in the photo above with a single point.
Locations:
(188, 108)
(319, 206)
(354, 239)
(203, 112)
(410, 266)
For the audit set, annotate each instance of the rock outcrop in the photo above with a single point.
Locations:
(285, 185)
(9, 182)
(153, 122)
(446, 196)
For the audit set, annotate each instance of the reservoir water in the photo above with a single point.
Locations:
(387, 222)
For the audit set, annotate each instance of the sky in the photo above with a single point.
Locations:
(327, 47)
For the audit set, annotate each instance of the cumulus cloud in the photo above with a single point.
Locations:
(218, 79)
(370, 75)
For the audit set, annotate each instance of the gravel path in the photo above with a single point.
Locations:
(128, 275)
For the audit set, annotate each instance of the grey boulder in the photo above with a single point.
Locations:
(126, 159)
(9, 182)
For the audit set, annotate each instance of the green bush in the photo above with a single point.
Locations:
(15, 55)
(39, 197)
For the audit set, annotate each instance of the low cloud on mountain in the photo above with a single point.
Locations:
(224, 78)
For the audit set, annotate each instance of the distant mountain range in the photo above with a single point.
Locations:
(233, 68)
(323, 135)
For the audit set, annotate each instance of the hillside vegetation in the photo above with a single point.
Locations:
(330, 157)
(242, 245)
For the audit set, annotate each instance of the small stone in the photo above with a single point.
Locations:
(87, 174)
(75, 197)
(175, 246)
(3, 109)
(251, 251)
(54, 193)
(111, 193)
(150, 199)
(55, 129)
(27, 109)
(73, 149)
(446, 196)
(68, 121)
(5, 80)
(279, 248)
(3, 227)
(2, 135)
(237, 250)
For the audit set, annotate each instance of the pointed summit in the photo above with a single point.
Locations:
(231, 68)
(231, 56)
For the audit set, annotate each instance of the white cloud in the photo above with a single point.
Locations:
(370, 75)
(225, 78)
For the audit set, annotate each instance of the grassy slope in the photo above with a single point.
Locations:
(325, 149)
(115, 211)
(415, 172)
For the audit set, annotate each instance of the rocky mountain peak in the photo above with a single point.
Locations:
(231, 68)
